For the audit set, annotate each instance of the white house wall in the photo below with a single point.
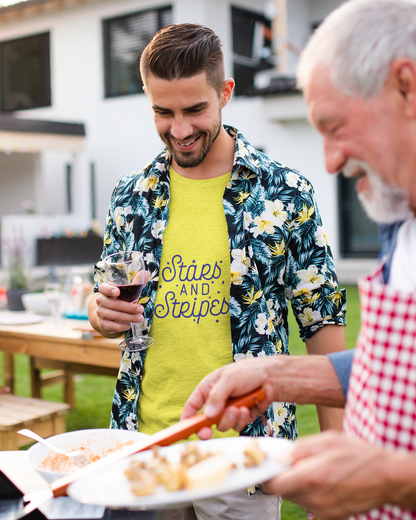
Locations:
(298, 29)
(320, 8)
(302, 15)
(17, 179)
(51, 196)
(120, 131)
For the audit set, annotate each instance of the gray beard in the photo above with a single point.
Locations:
(383, 203)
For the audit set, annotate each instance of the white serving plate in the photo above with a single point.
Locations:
(111, 488)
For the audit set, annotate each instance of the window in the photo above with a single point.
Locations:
(25, 78)
(359, 234)
(252, 48)
(125, 38)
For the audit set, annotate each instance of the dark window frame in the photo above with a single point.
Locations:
(348, 202)
(106, 29)
(44, 99)
(243, 65)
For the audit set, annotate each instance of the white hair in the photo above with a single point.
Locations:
(357, 43)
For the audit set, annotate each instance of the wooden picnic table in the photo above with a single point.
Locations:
(59, 346)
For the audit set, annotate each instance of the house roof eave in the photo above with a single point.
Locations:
(10, 123)
(36, 136)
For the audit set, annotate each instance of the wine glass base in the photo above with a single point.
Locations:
(136, 344)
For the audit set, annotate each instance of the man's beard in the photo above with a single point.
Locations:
(383, 203)
(189, 159)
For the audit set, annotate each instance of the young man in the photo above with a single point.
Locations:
(241, 236)
(358, 73)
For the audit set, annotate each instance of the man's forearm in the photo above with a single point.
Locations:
(330, 338)
(305, 380)
(299, 379)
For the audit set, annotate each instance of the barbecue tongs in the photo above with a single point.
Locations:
(177, 432)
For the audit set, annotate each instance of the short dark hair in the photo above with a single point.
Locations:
(182, 51)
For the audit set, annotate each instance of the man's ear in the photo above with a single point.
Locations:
(227, 91)
(403, 78)
(145, 90)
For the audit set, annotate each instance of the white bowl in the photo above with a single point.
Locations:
(96, 441)
(36, 303)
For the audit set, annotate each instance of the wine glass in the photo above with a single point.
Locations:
(126, 271)
(53, 294)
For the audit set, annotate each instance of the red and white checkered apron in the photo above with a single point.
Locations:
(381, 403)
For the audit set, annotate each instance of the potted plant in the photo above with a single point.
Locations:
(17, 277)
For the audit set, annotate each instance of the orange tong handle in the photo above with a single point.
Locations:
(177, 432)
(192, 425)
(184, 429)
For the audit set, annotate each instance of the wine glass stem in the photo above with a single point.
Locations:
(54, 310)
(134, 330)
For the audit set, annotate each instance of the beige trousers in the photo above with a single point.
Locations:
(235, 506)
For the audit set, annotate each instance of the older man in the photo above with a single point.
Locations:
(358, 74)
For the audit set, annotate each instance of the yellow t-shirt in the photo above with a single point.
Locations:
(191, 322)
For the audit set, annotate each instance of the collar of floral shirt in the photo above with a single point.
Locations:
(245, 158)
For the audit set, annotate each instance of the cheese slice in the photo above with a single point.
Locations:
(209, 472)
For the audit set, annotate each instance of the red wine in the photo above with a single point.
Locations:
(130, 293)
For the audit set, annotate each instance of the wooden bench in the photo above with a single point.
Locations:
(43, 417)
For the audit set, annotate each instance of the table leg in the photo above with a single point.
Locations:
(9, 371)
(35, 380)
(69, 390)
(60, 374)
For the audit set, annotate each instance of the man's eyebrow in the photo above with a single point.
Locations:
(161, 109)
(324, 120)
(202, 104)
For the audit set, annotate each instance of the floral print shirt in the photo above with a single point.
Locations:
(279, 252)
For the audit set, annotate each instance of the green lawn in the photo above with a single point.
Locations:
(306, 414)
(94, 393)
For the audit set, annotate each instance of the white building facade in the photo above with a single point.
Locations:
(85, 51)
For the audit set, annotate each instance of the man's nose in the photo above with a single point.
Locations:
(181, 128)
(335, 158)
